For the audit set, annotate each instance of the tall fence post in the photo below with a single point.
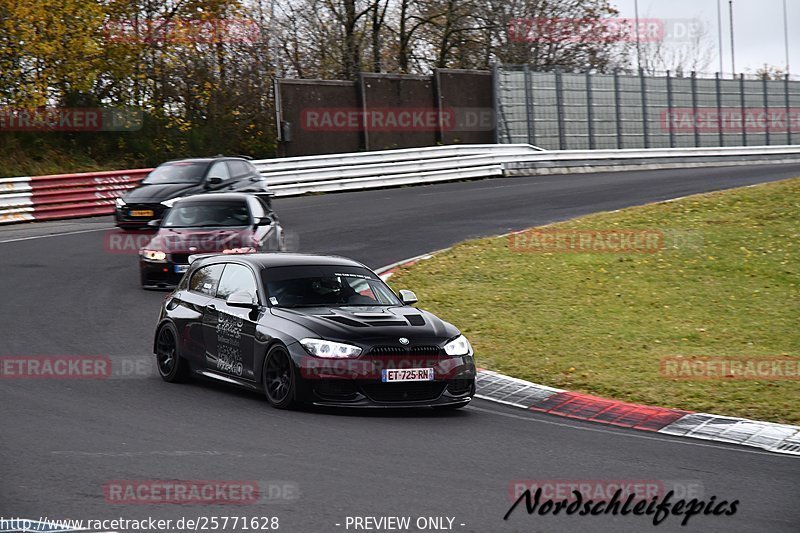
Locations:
(498, 106)
(562, 134)
(718, 83)
(744, 109)
(670, 111)
(362, 92)
(645, 119)
(694, 109)
(530, 117)
(590, 109)
(437, 96)
(618, 108)
(765, 88)
(788, 109)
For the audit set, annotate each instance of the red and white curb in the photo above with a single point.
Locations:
(495, 387)
(63, 196)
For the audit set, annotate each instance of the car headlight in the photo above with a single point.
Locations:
(335, 350)
(458, 346)
(120, 202)
(153, 255)
(168, 203)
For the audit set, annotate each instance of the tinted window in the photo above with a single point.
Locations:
(239, 169)
(311, 286)
(177, 172)
(206, 279)
(219, 170)
(207, 214)
(237, 278)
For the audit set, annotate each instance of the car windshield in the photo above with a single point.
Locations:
(177, 172)
(207, 214)
(324, 285)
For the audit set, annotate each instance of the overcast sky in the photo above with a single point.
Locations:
(758, 28)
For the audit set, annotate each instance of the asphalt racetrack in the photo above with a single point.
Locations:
(63, 441)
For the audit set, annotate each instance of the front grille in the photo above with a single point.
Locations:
(180, 259)
(412, 391)
(457, 387)
(406, 350)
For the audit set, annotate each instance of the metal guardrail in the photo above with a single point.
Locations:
(64, 195)
(80, 195)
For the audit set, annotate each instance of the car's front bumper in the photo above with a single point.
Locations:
(156, 275)
(125, 219)
(357, 382)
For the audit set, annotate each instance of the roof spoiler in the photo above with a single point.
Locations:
(234, 251)
(195, 257)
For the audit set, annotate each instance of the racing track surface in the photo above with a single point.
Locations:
(62, 441)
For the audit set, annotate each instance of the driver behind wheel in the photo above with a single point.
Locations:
(188, 215)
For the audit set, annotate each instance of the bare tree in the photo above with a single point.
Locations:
(692, 49)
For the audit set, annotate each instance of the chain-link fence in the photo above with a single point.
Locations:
(567, 111)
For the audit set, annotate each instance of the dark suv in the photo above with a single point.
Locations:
(185, 177)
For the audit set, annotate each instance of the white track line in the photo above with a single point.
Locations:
(77, 232)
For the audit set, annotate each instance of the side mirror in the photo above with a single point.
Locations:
(264, 221)
(154, 223)
(407, 297)
(241, 299)
(214, 180)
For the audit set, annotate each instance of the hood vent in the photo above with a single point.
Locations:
(344, 320)
(415, 320)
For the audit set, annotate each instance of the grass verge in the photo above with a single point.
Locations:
(723, 282)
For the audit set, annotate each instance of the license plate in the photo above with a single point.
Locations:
(406, 374)
(180, 269)
(142, 213)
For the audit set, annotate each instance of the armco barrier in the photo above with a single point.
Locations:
(79, 195)
(64, 195)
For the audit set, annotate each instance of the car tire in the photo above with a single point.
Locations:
(278, 378)
(171, 366)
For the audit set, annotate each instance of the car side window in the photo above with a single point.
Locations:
(219, 170)
(239, 169)
(237, 278)
(258, 209)
(206, 279)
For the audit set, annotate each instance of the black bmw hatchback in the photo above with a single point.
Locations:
(310, 329)
(176, 179)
